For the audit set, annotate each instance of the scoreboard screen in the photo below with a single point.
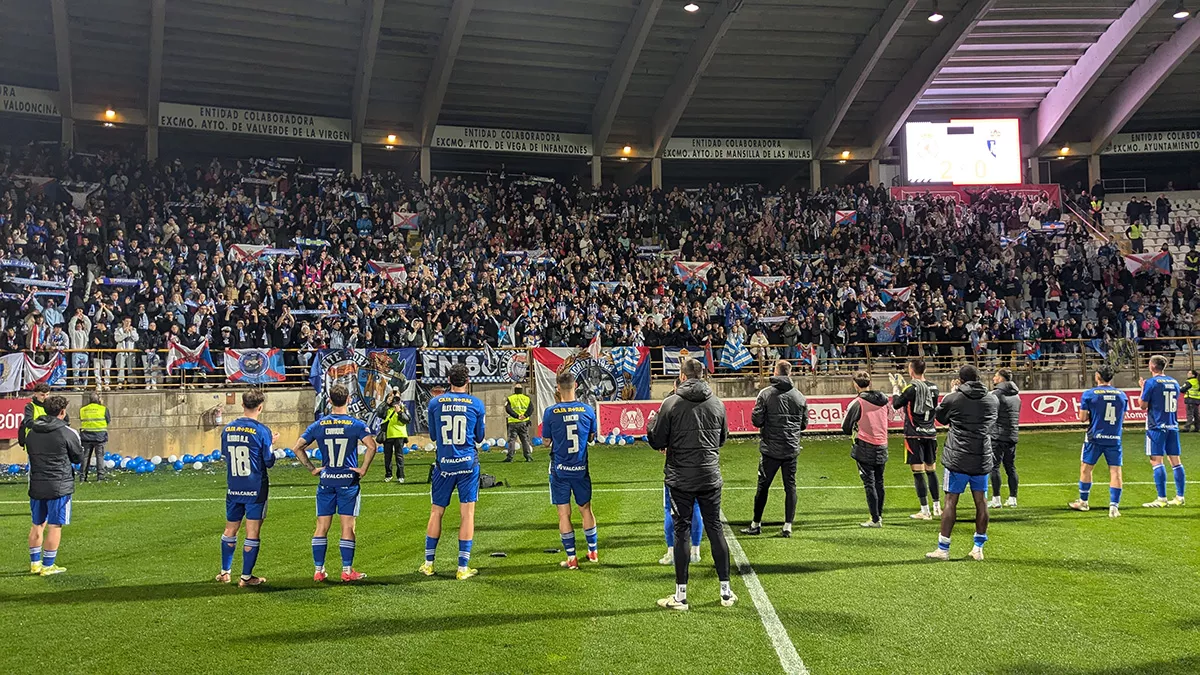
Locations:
(963, 152)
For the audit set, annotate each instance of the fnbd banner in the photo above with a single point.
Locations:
(493, 366)
(618, 375)
(369, 375)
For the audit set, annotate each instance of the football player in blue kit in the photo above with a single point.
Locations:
(1102, 409)
(337, 436)
(246, 446)
(457, 425)
(571, 425)
(1160, 400)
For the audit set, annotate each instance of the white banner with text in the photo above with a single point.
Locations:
(253, 122)
(757, 149)
(28, 101)
(483, 139)
(1150, 142)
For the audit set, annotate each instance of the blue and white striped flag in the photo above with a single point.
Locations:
(734, 355)
(625, 359)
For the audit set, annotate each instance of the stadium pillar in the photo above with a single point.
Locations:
(873, 172)
(356, 159)
(426, 166)
(68, 132)
(1093, 169)
(656, 173)
(1035, 171)
(596, 177)
(815, 176)
(151, 142)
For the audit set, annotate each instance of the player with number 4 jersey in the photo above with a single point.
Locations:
(336, 437)
(1102, 409)
(457, 425)
(246, 446)
(571, 425)
(1160, 400)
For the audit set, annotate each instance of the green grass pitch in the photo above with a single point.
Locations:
(1060, 592)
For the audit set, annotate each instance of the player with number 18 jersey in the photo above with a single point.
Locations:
(246, 446)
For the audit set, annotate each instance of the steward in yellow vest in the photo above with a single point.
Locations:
(1136, 232)
(93, 433)
(1191, 399)
(34, 410)
(393, 434)
(517, 408)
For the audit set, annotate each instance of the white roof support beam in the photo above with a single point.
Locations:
(62, 57)
(372, 18)
(828, 117)
(1060, 102)
(443, 65)
(620, 72)
(676, 98)
(899, 104)
(1132, 93)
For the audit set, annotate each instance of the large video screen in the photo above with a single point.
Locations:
(963, 152)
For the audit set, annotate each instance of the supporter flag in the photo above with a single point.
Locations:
(1097, 345)
(406, 221)
(882, 274)
(708, 356)
(626, 359)
(254, 366)
(767, 282)
(14, 262)
(1019, 239)
(734, 354)
(772, 320)
(12, 372)
(593, 348)
(692, 271)
(126, 282)
(903, 294)
(605, 379)
(1033, 350)
(673, 356)
(1148, 262)
(304, 242)
(393, 271)
(348, 287)
(52, 372)
(845, 218)
(888, 323)
(808, 354)
(183, 358)
(1054, 226)
(246, 252)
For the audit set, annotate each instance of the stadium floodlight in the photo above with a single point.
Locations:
(391, 139)
(110, 114)
(627, 149)
(691, 7)
(1181, 12)
(935, 16)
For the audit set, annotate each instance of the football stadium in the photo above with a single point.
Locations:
(638, 336)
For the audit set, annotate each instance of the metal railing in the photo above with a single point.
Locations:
(113, 369)
(1124, 184)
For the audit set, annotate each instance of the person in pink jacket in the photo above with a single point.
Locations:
(867, 420)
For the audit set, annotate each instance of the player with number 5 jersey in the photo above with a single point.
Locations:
(1160, 400)
(336, 436)
(246, 445)
(571, 425)
(457, 425)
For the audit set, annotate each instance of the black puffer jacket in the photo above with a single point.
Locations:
(53, 447)
(780, 413)
(691, 427)
(970, 412)
(1008, 416)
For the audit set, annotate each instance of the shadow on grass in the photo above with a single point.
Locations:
(1186, 664)
(419, 624)
(816, 566)
(551, 526)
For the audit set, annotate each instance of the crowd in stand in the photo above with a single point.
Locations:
(521, 261)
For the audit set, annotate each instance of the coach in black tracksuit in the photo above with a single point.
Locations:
(780, 413)
(1004, 435)
(690, 428)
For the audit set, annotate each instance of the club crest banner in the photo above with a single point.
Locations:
(607, 378)
(369, 375)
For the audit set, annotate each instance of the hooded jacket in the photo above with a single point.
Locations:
(1008, 416)
(53, 447)
(780, 413)
(970, 411)
(691, 427)
(867, 418)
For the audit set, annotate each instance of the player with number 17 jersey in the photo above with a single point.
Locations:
(457, 422)
(337, 437)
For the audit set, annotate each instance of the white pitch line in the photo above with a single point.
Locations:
(786, 651)
(425, 494)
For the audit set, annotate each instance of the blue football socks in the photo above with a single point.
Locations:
(430, 548)
(346, 546)
(1114, 496)
(35, 554)
(249, 557)
(568, 542)
(980, 540)
(319, 544)
(592, 539)
(1160, 481)
(1085, 490)
(464, 551)
(1180, 480)
(228, 546)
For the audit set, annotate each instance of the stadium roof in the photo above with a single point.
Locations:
(844, 73)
